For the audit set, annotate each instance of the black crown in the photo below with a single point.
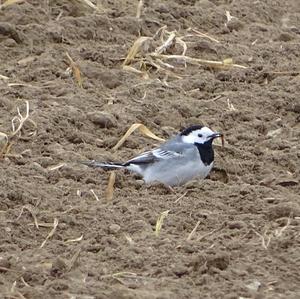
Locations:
(190, 129)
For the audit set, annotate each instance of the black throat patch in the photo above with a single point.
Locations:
(206, 152)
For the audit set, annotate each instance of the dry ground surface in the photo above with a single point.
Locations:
(59, 241)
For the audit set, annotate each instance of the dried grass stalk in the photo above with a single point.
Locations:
(160, 222)
(6, 140)
(73, 260)
(136, 71)
(25, 283)
(75, 69)
(278, 232)
(142, 128)
(10, 2)
(159, 34)
(167, 44)
(3, 143)
(4, 78)
(32, 212)
(110, 186)
(120, 275)
(139, 9)
(23, 85)
(190, 236)
(265, 239)
(90, 4)
(201, 34)
(55, 224)
(55, 167)
(21, 119)
(183, 44)
(95, 195)
(140, 59)
(229, 17)
(226, 63)
(129, 239)
(136, 47)
(74, 240)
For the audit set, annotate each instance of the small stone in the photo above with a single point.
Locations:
(102, 119)
(283, 210)
(114, 228)
(3, 140)
(285, 37)
(5, 265)
(45, 161)
(55, 148)
(236, 225)
(205, 4)
(98, 142)
(55, 32)
(297, 108)
(109, 78)
(219, 261)
(254, 285)
(36, 166)
(8, 30)
(235, 24)
(9, 42)
(268, 180)
(180, 270)
(162, 8)
(188, 248)
(59, 266)
(274, 133)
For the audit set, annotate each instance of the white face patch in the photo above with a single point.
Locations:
(198, 136)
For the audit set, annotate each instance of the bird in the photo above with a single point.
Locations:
(186, 156)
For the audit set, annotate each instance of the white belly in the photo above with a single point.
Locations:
(173, 175)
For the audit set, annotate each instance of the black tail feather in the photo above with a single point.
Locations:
(103, 165)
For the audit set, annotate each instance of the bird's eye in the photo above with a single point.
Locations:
(200, 135)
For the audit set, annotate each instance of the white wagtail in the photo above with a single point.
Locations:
(186, 156)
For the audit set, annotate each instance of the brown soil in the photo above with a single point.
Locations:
(252, 195)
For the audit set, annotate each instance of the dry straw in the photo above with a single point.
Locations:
(10, 2)
(51, 233)
(17, 123)
(110, 186)
(151, 53)
(95, 195)
(192, 233)
(142, 128)
(74, 240)
(75, 70)
(160, 222)
(97, 8)
(139, 9)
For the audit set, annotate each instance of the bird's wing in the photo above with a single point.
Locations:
(155, 155)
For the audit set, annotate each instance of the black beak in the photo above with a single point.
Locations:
(216, 135)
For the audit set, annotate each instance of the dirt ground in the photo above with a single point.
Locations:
(59, 241)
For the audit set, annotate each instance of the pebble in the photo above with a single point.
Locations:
(102, 119)
(254, 285)
(236, 224)
(114, 228)
(10, 31)
(235, 24)
(285, 37)
(205, 4)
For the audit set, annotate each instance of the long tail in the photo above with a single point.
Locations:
(104, 165)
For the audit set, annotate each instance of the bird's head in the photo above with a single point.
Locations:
(199, 135)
